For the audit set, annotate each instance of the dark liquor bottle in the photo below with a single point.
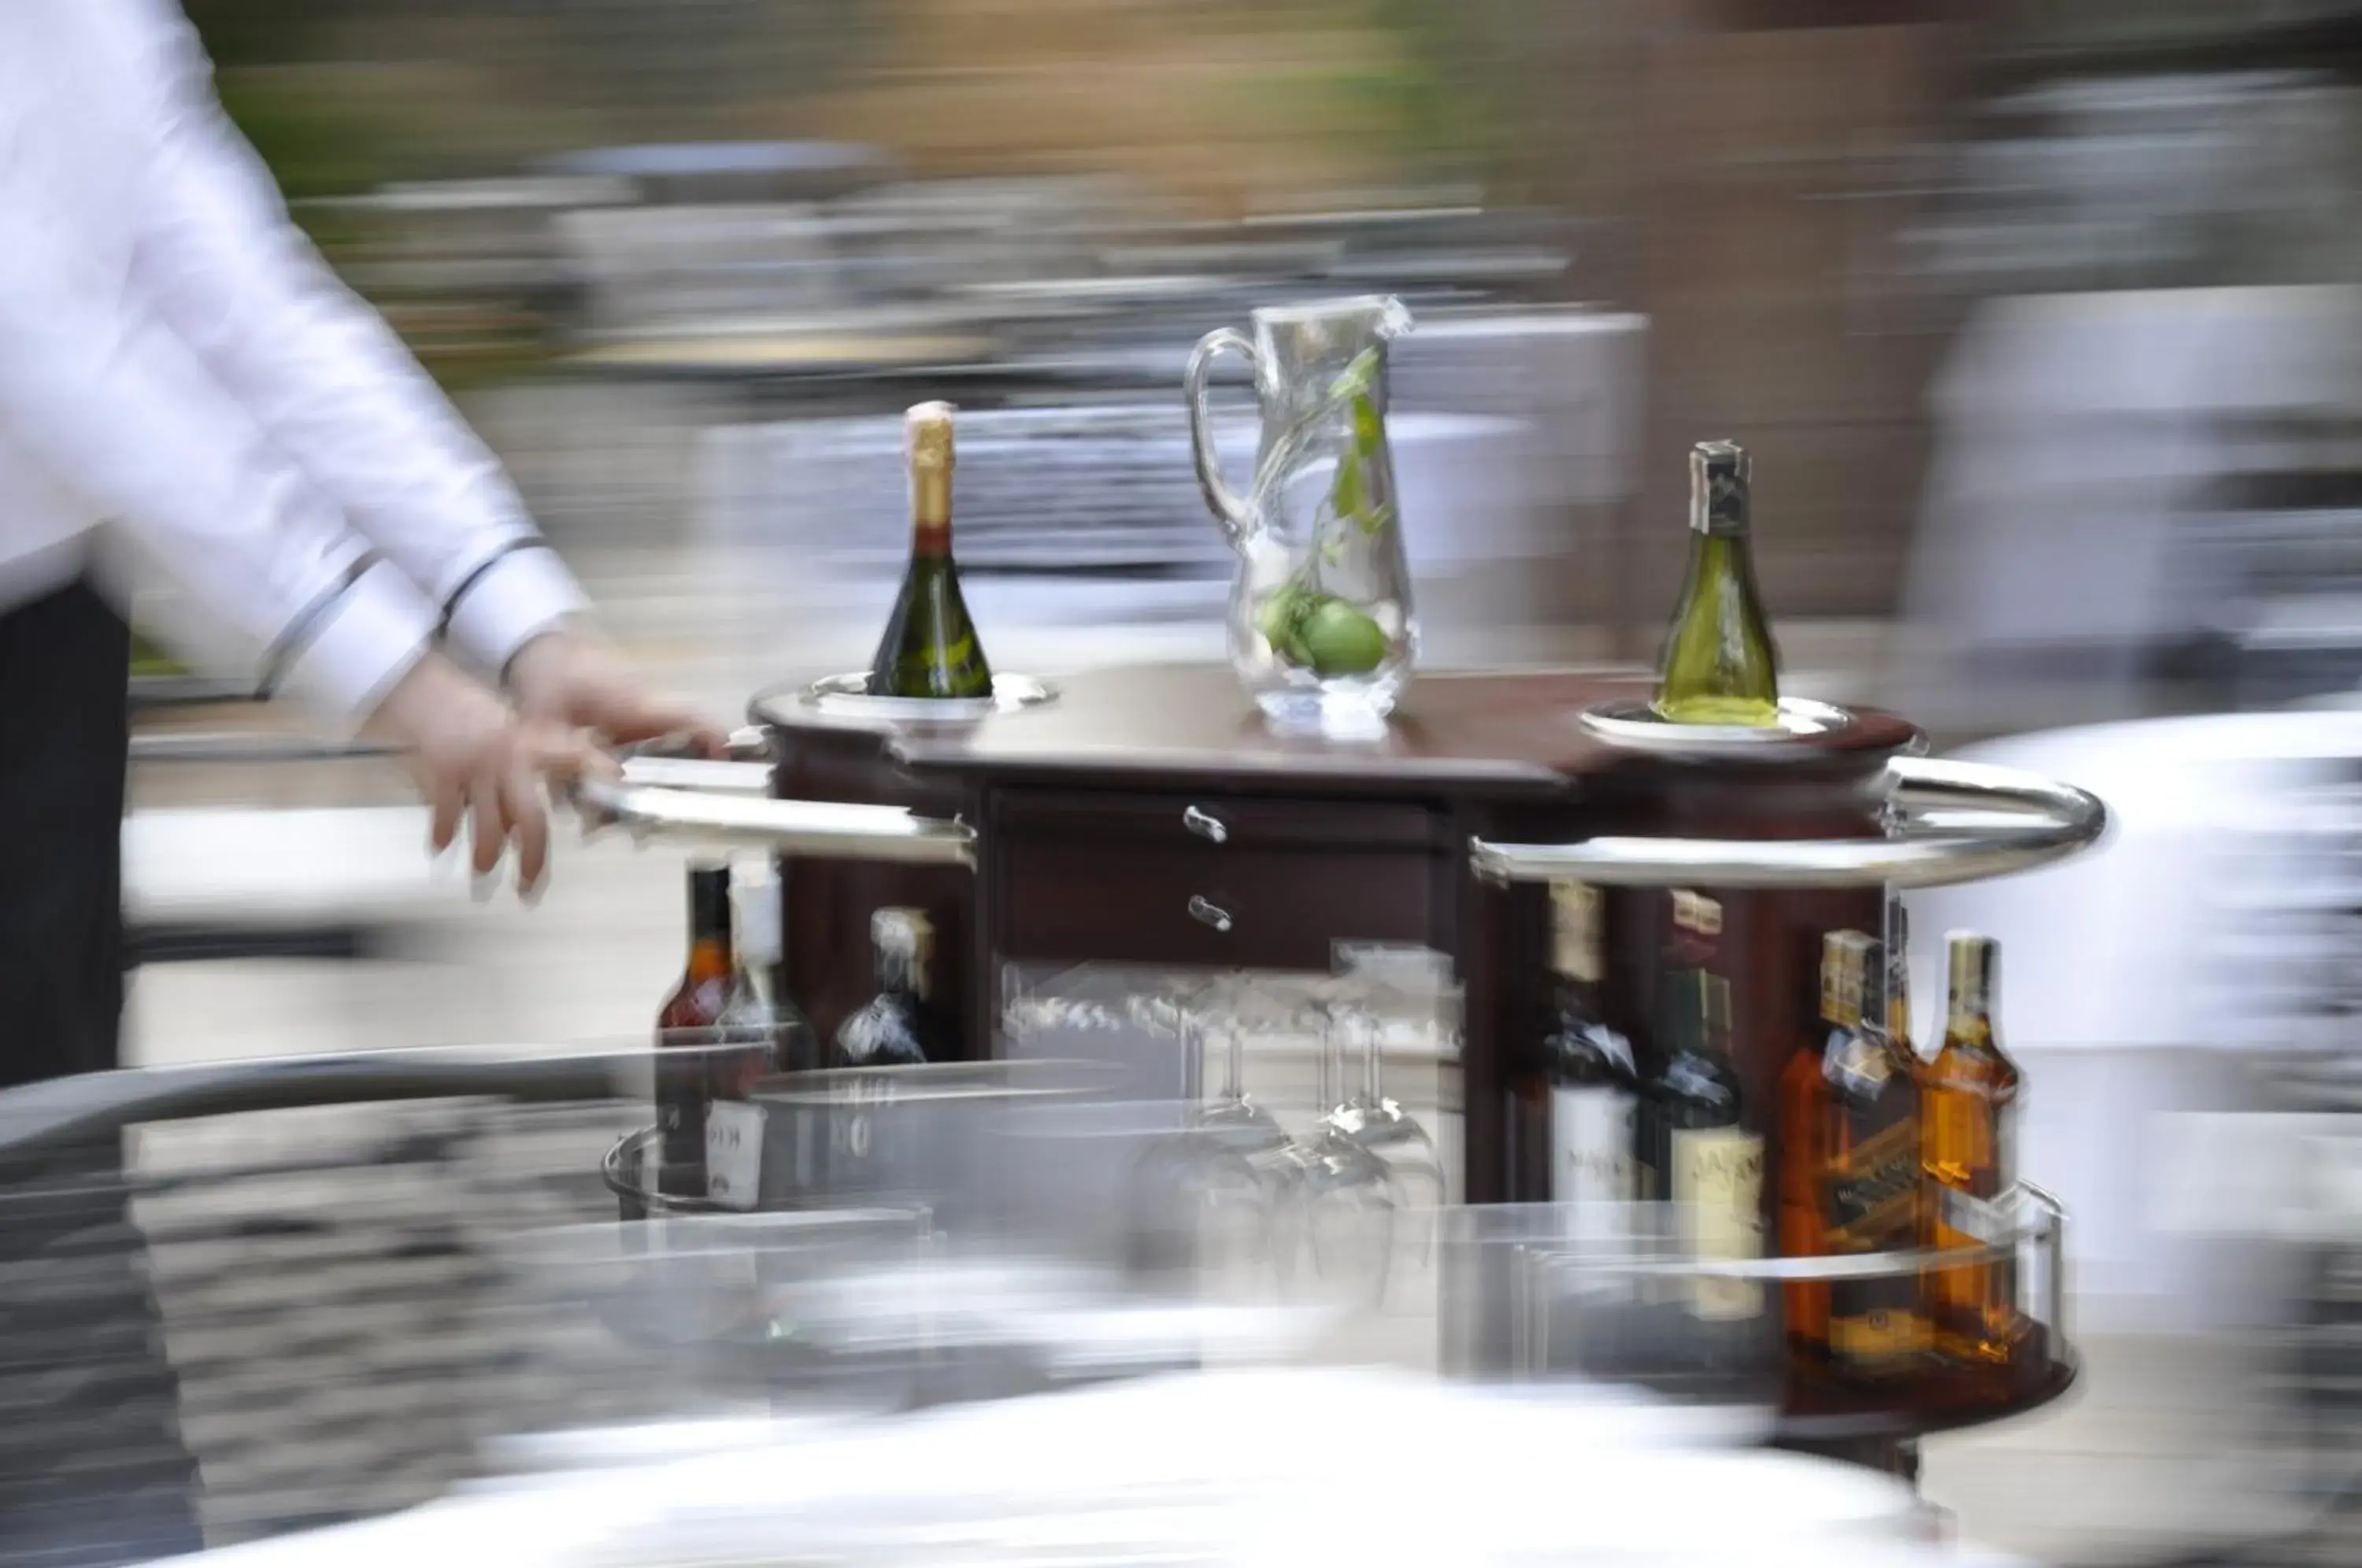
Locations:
(1968, 1113)
(1710, 1157)
(929, 648)
(713, 1008)
(1592, 1084)
(1719, 665)
(1868, 1187)
(896, 1028)
(1804, 1140)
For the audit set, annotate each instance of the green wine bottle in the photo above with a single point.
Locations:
(931, 647)
(1719, 665)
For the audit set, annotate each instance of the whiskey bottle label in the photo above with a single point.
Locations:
(1717, 1182)
(1869, 1200)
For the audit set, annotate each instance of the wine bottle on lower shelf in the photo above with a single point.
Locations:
(896, 1028)
(711, 1033)
(929, 648)
(1968, 1134)
(1708, 1155)
(1592, 1084)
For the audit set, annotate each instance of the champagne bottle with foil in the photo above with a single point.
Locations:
(1720, 664)
(1968, 1150)
(930, 649)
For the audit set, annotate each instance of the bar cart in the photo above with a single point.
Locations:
(1149, 816)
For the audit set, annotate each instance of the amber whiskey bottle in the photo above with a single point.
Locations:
(1968, 1092)
(1804, 1144)
(1869, 1186)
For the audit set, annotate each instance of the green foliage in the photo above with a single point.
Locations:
(317, 141)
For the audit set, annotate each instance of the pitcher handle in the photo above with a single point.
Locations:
(1230, 509)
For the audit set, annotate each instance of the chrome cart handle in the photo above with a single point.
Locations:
(824, 828)
(1957, 822)
(746, 771)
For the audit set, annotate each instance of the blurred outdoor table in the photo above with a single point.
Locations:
(729, 355)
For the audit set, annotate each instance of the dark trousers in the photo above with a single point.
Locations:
(91, 1467)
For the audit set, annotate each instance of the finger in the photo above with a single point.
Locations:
(491, 821)
(530, 815)
(449, 805)
(644, 718)
(563, 756)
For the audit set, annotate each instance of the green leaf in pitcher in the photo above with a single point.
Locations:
(1356, 379)
(1281, 619)
(1348, 493)
(1369, 430)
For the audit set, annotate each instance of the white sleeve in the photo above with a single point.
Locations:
(330, 382)
(118, 411)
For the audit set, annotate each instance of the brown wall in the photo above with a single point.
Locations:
(1764, 255)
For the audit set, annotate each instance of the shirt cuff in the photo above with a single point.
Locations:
(364, 641)
(509, 601)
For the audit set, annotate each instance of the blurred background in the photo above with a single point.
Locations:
(2040, 317)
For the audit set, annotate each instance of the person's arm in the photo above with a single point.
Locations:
(339, 392)
(327, 380)
(108, 400)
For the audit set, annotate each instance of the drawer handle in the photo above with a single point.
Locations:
(1208, 913)
(1205, 825)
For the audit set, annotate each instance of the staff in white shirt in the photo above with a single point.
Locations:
(179, 373)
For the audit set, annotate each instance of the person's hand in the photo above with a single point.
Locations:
(475, 758)
(572, 678)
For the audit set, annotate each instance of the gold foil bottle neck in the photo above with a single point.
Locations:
(1575, 912)
(927, 436)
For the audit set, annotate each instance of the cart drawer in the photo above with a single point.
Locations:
(1144, 903)
(1223, 821)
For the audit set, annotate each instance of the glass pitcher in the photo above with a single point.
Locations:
(1321, 625)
